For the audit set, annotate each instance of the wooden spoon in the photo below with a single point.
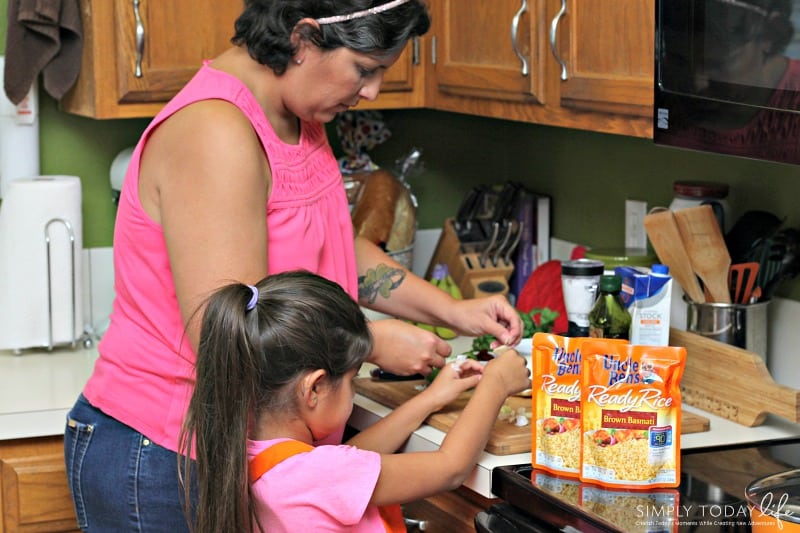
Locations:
(663, 233)
(703, 240)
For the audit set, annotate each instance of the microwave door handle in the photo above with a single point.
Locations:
(553, 39)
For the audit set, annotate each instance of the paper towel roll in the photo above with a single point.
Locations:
(19, 136)
(40, 276)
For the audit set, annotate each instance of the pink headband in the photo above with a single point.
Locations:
(364, 13)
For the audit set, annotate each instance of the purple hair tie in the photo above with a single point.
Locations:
(253, 299)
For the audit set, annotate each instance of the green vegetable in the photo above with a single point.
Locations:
(547, 318)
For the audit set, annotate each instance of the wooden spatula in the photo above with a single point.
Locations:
(663, 233)
(703, 240)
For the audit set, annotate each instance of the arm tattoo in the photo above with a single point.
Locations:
(380, 280)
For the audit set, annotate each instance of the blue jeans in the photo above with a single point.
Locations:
(120, 480)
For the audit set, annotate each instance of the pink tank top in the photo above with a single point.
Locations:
(144, 375)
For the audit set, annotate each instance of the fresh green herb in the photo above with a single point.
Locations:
(546, 319)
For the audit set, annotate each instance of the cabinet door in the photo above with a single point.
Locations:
(489, 49)
(404, 82)
(607, 51)
(33, 486)
(137, 54)
(160, 44)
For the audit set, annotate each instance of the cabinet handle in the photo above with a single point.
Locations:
(415, 51)
(433, 50)
(139, 39)
(553, 34)
(514, 30)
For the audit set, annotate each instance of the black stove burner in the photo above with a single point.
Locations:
(710, 497)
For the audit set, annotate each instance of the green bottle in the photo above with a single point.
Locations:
(609, 318)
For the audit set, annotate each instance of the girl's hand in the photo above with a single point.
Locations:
(453, 379)
(511, 370)
(405, 349)
(481, 316)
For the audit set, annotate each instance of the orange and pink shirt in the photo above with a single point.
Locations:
(145, 373)
(329, 487)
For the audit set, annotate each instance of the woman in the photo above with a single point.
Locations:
(234, 180)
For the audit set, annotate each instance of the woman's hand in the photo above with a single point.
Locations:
(405, 349)
(493, 315)
(453, 379)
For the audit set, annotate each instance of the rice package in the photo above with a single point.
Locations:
(556, 403)
(564, 488)
(634, 511)
(631, 414)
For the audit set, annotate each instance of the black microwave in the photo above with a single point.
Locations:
(727, 77)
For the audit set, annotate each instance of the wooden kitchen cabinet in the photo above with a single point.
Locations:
(121, 78)
(488, 50)
(605, 47)
(585, 65)
(34, 495)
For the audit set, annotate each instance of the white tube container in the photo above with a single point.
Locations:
(19, 136)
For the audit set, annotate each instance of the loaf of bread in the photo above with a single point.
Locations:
(404, 227)
(385, 213)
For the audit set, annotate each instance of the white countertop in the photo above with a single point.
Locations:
(38, 388)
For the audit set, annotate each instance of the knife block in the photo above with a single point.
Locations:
(474, 280)
(447, 249)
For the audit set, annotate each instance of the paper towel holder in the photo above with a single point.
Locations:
(74, 322)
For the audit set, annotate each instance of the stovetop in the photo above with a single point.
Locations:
(710, 497)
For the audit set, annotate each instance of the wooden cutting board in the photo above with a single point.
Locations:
(732, 382)
(506, 438)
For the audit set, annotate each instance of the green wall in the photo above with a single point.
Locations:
(82, 147)
(85, 147)
(589, 175)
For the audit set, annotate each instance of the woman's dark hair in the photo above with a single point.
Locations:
(265, 27)
(249, 361)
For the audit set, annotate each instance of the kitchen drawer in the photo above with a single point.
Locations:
(34, 495)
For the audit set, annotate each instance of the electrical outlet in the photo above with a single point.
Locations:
(635, 236)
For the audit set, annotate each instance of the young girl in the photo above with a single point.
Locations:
(275, 371)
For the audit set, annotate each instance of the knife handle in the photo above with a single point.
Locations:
(377, 373)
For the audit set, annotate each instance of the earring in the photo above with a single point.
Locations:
(298, 61)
